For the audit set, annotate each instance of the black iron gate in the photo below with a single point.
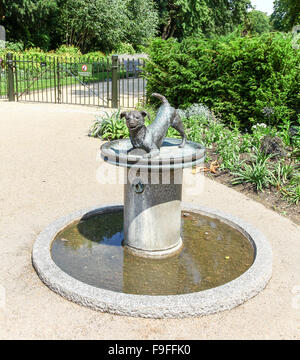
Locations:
(108, 82)
(3, 79)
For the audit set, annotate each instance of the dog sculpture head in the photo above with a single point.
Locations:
(134, 119)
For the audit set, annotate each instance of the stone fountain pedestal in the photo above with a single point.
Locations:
(151, 223)
(153, 194)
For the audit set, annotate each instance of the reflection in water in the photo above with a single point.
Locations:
(90, 250)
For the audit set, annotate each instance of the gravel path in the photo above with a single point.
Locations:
(48, 169)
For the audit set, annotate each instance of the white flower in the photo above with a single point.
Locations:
(197, 110)
(262, 125)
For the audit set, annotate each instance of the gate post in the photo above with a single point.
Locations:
(10, 77)
(114, 81)
(58, 80)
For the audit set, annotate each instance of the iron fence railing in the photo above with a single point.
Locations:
(108, 82)
(132, 83)
(3, 79)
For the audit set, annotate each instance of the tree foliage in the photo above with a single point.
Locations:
(99, 23)
(286, 14)
(105, 24)
(30, 21)
(90, 25)
(259, 22)
(183, 18)
(142, 21)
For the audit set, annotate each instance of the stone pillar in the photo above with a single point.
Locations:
(152, 213)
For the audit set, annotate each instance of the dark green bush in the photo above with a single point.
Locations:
(244, 80)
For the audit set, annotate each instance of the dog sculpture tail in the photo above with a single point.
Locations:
(160, 97)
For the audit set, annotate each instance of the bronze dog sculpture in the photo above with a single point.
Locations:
(150, 138)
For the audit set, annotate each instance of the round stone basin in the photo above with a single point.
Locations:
(223, 263)
(120, 152)
(91, 251)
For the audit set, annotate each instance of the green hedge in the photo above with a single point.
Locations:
(244, 80)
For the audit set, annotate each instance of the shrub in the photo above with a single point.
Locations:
(281, 173)
(109, 127)
(94, 55)
(244, 80)
(67, 50)
(14, 46)
(124, 48)
(292, 191)
(256, 173)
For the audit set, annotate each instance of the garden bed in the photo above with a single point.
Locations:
(263, 163)
(276, 183)
(271, 198)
